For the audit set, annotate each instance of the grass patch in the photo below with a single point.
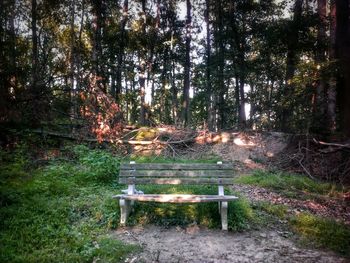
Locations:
(325, 233)
(314, 230)
(290, 184)
(61, 212)
(279, 211)
(240, 214)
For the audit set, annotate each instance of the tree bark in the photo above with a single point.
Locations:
(210, 108)
(35, 92)
(187, 68)
(222, 120)
(142, 73)
(291, 61)
(120, 57)
(331, 92)
(72, 63)
(343, 55)
(319, 97)
(97, 53)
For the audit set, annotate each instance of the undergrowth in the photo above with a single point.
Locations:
(288, 184)
(61, 212)
(323, 232)
(314, 231)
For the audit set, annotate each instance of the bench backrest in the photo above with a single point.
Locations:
(192, 174)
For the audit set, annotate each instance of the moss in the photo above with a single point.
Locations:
(325, 233)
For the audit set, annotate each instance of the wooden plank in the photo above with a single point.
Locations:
(177, 181)
(177, 198)
(177, 173)
(175, 166)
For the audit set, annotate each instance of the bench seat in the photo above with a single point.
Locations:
(133, 174)
(176, 198)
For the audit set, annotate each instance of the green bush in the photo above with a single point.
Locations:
(100, 166)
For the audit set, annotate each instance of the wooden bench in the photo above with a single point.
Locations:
(175, 174)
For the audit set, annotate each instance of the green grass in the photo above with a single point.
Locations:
(63, 211)
(324, 233)
(59, 213)
(279, 211)
(289, 184)
(314, 231)
(160, 159)
(240, 214)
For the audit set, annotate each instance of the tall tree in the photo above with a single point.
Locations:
(343, 55)
(291, 63)
(187, 68)
(143, 68)
(122, 41)
(35, 89)
(210, 108)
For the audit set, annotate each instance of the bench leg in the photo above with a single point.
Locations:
(223, 212)
(124, 211)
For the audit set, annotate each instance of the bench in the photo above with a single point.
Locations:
(174, 174)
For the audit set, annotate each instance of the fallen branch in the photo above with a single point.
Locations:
(118, 141)
(332, 144)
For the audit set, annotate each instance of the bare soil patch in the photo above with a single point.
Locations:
(194, 244)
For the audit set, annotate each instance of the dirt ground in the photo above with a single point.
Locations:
(194, 244)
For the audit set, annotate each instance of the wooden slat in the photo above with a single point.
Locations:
(176, 198)
(135, 180)
(175, 166)
(177, 173)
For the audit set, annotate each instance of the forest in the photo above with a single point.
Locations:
(261, 65)
(87, 85)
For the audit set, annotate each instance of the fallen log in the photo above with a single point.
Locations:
(118, 141)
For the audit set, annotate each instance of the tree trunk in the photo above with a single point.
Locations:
(210, 108)
(242, 115)
(72, 63)
(331, 92)
(35, 92)
(186, 87)
(343, 55)
(142, 74)
(97, 53)
(120, 57)
(319, 96)
(222, 121)
(292, 60)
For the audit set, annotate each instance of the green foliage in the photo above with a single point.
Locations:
(99, 165)
(277, 210)
(323, 232)
(286, 182)
(59, 213)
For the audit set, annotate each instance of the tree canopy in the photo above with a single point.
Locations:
(257, 64)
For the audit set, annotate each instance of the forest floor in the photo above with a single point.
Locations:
(195, 244)
(275, 241)
(279, 217)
